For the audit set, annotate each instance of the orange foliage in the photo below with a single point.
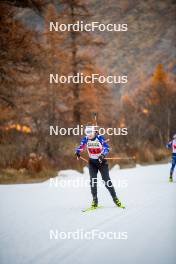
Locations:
(159, 76)
(18, 127)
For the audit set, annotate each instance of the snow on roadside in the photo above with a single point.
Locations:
(29, 212)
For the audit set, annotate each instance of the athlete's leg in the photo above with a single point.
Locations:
(173, 166)
(93, 170)
(104, 170)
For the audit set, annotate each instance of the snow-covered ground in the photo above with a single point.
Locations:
(32, 215)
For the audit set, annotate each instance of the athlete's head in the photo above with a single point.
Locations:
(90, 131)
(174, 136)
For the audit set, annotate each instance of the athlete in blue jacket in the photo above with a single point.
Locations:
(172, 145)
(97, 149)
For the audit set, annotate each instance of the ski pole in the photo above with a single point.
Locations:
(95, 117)
(114, 158)
(83, 159)
(120, 158)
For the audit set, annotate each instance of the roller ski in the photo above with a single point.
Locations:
(92, 208)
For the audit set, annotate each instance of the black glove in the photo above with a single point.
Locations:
(101, 158)
(78, 155)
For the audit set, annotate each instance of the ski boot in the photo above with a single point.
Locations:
(94, 203)
(118, 203)
(170, 179)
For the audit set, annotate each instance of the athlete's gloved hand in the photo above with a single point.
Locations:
(77, 154)
(101, 158)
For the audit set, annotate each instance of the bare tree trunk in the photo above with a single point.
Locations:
(161, 138)
(76, 92)
(168, 123)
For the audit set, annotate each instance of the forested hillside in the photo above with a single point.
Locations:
(29, 104)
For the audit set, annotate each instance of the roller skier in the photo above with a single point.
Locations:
(97, 149)
(172, 145)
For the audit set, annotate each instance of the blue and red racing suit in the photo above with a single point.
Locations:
(172, 145)
(95, 146)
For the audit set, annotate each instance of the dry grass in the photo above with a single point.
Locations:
(12, 176)
(161, 154)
